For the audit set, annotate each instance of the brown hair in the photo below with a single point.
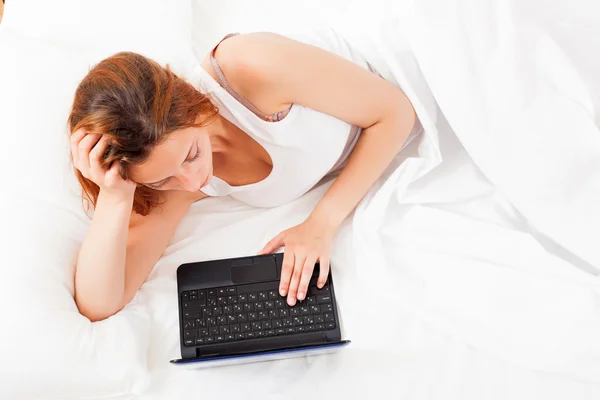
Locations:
(137, 103)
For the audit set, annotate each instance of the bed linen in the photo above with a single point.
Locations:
(452, 284)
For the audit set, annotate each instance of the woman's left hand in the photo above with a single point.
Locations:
(305, 245)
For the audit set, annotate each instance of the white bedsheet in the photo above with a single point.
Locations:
(478, 304)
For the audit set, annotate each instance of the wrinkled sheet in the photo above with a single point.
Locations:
(468, 271)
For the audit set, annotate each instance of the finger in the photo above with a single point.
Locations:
(295, 281)
(323, 271)
(97, 152)
(84, 148)
(273, 244)
(307, 270)
(286, 272)
(75, 139)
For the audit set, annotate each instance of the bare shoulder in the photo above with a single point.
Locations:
(248, 63)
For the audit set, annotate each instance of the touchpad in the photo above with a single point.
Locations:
(263, 270)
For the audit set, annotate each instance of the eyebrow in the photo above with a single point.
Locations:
(162, 181)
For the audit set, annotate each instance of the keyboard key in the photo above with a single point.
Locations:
(249, 307)
(253, 297)
(212, 293)
(229, 338)
(250, 335)
(245, 327)
(222, 320)
(300, 329)
(298, 321)
(314, 290)
(269, 305)
(194, 293)
(190, 333)
(200, 323)
(277, 323)
(326, 298)
(217, 311)
(279, 303)
(224, 329)
(214, 330)
(231, 319)
(207, 311)
(211, 302)
(193, 297)
(242, 317)
(263, 315)
(219, 338)
(328, 317)
(290, 330)
(310, 300)
(319, 319)
(189, 324)
(266, 325)
(273, 314)
(199, 341)
(231, 290)
(242, 298)
(284, 313)
(287, 322)
(221, 301)
(227, 310)
(280, 331)
(192, 314)
(238, 308)
(273, 295)
(330, 325)
(221, 292)
(262, 296)
(326, 308)
(185, 296)
(320, 327)
(259, 306)
(211, 321)
(235, 328)
(189, 342)
(271, 333)
(309, 320)
(294, 312)
(203, 332)
(305, 310)
(240, 336)
(253, 316)
(315, 309)
(260, 334)
(256, 326)
(310, 328)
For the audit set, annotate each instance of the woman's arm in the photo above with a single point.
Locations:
(273, 71)
(120, 250)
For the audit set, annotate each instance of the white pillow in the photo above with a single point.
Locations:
(48, 349)
(139, 25)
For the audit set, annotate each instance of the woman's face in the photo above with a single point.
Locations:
(182, 162)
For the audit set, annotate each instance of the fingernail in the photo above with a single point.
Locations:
(282, 292)
(291, 301)
(300, 296)
(320, 285)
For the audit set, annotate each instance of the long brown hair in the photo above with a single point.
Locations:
(137, 103)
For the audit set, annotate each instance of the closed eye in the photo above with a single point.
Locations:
(195, 155)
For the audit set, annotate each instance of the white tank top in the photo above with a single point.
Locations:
(306, 146)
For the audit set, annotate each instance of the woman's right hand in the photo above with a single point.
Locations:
(87, 150)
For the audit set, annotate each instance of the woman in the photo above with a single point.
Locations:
(268, 119)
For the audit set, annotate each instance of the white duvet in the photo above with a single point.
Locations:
(470, 269)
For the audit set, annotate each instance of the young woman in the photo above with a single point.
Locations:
(264, 119)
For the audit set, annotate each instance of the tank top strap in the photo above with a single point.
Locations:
(278, 116)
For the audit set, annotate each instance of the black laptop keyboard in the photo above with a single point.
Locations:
(254, 311)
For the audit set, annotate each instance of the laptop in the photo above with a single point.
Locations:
(230, 312)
